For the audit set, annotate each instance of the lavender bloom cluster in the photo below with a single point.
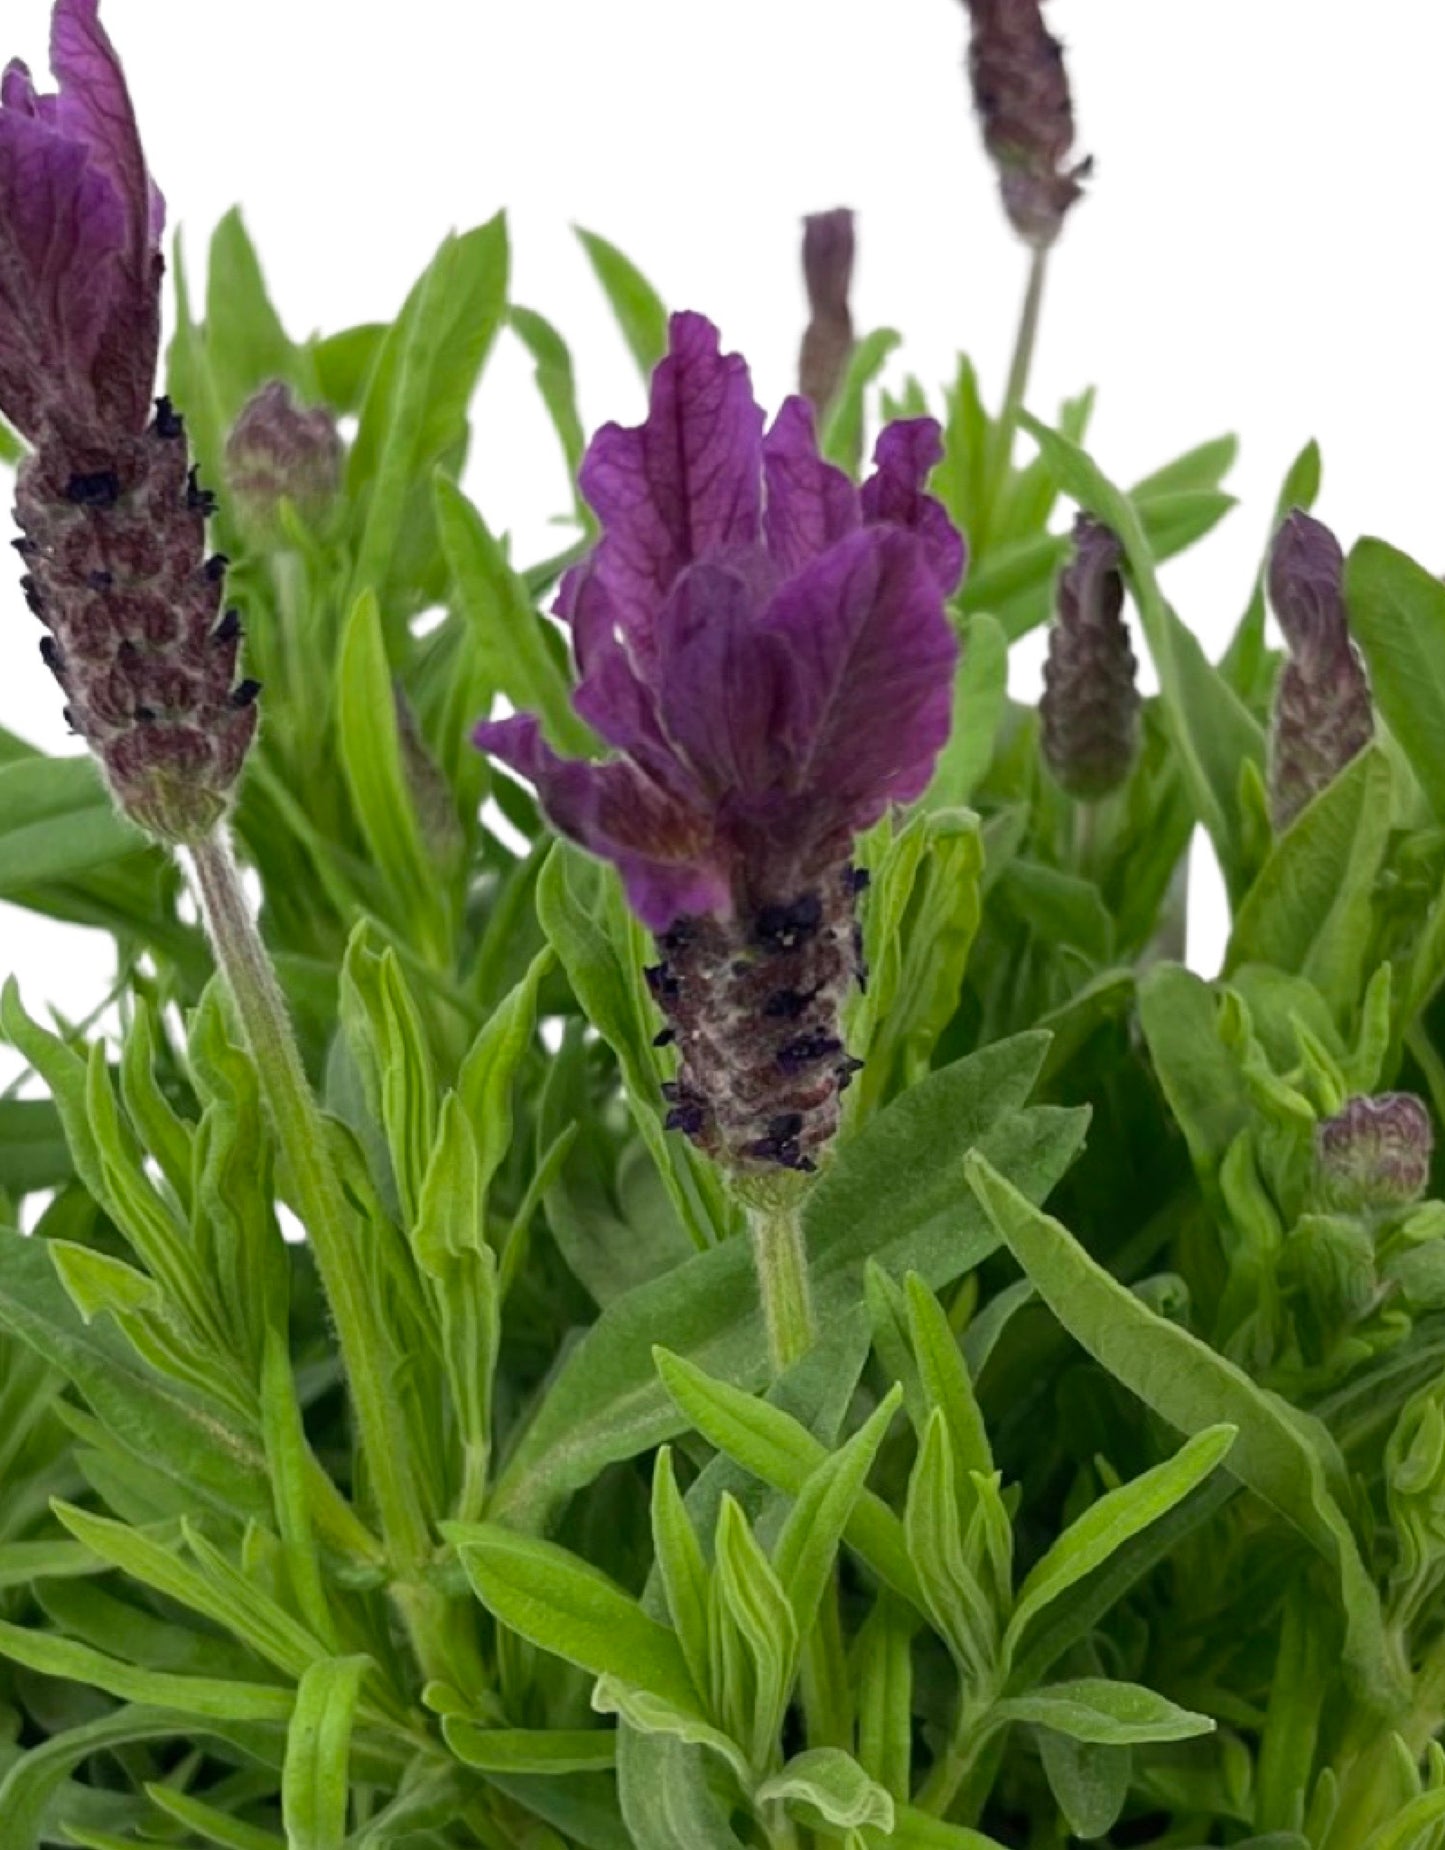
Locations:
(1323, 714)
(112, 518)
(766, 649)
(1089, 712)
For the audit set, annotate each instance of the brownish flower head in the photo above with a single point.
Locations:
(1323, 714)
(280, 451)
(1021, 92)
(828, 246)
(1089, 713)
(1376, 1152)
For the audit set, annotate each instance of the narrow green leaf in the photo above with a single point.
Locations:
(205, 1821)
(1090, 1782)
(555, 382)
(653, 1715)
(681, 1566)
(1097, 1710)
(57, 821)
(1397, 614)
(945, 1378)
(530, 1750)
(980, 700)
(636, 304)
(210, 1697)
(830, 1783)
(1205, 466)
(842, 436)
(246, 345)
(568, 1607)
(315, 1781)
(29, 1785)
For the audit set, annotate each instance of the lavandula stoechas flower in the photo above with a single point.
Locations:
(279, 451)
(828, 277)
(766, 649)
(112, 518)
(1089, 713)
(1021, 92)
(1375, 1152)
(1322, 711)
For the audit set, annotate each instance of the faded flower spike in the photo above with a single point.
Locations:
(112, 517)
(828, 276)
(1322, 711)
(280, 451)
(1089, 713)
(766, 649)
(1375, 1153)
(1021, 92)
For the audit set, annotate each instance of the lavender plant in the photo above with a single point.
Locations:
(807, 1321)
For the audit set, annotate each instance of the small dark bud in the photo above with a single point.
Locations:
(214, 570)
(228, 629)
(52, 655)
(1375, 1154)
(1089, 713)
(664, 1037)
(100, 581)
(280, 451)
(828, 246)
(94, 488)
(169, 423)
(199, 500)
(244, 693)
(1323, 715)
(1021, 93)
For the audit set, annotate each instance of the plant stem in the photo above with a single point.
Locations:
(330, 1224)
(1000, 452)
(780, 1258)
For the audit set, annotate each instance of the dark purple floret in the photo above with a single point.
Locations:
(113, 524)
(1021, 93)
(766, 650)
(1323, 716)
(1375, 1154)
(828, 246)
(1089, 713)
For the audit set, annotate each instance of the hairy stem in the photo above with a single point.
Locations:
(330, 1223)
(780, 1258)
(1000, 451)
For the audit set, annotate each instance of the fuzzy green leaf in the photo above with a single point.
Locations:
(1097, 1710)
(315, 1782)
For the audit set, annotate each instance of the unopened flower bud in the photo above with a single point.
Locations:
(280, 451)
(1089, 713)
(1021, 92)
(1322, 712)
(1375, 1154)
(828, 275)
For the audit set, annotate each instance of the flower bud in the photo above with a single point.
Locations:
(280, 451)
(1021, 92)
(1322, 712)
(1375, 1154)
(828, 275)
(1089, 713)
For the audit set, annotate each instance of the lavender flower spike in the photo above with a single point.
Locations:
(828, 338)
(1322, 711)
(1021, 92)
(766, 650)
(1089, 714)
(113, 520)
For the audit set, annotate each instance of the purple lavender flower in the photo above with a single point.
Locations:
(279, 451)
(766, 649)
(112, 517)
(1021, 92)
(828, 275)
(1089, 713)
(1322, 711)
(1375, 1153)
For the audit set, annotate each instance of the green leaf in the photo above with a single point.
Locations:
(895, 1192)
(1097, 1710)
(1200, 1077)
(842, 435)
(944, 1377)
(749, 1592)
(387, 1037)
(246, 345)
(1213, 732)
(515, 645)
(1397, 614)
(23, 1562)
(344, 362)
(57, 820)
(1278, 1452)
(681, 1567)
(315, 1782)
(1311, 907)
(666, 1800)
(882, 1658)
(571, 1609)
(635, 303)
(202, 1820)
(1116, 1518)
(33, 1151)
(371, 757)
(1090, 1782)
(530, 1750)
(980, 700)
(555, 383)
(1205, 466)
(827, 1782)
(1410, 1827)
(917, 1830)
(32, 1782)
(653, 1715)
(210, 1697)
(414, 418)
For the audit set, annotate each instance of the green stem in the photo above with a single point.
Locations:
(780, 1258)
(1001, 443)
(330, 1224)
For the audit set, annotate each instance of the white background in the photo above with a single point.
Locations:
(1259, 251)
